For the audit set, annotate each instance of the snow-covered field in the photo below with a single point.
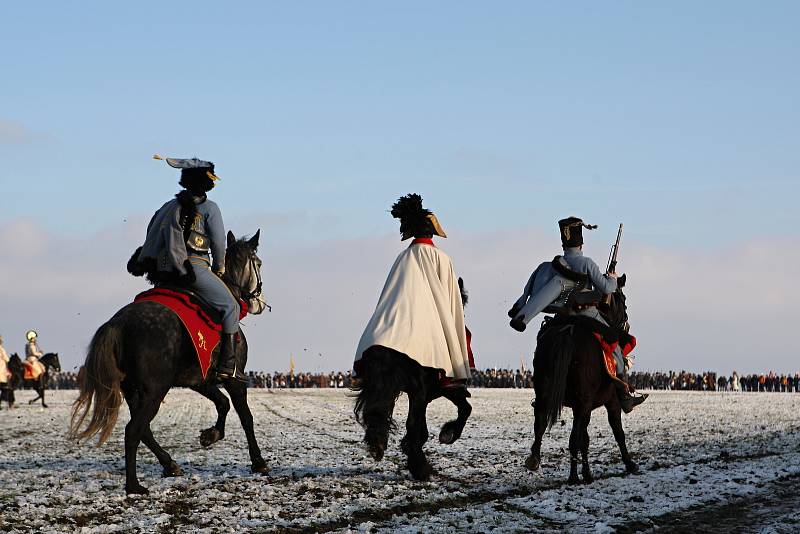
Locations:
(710, 462)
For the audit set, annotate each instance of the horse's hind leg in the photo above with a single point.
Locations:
(615, 420)
(576, 442)
(539, 427)
(416, 435)
(37, 397)
(143, 410)
(238, 393)
(171, 469)
(452, 430)
(215, 433)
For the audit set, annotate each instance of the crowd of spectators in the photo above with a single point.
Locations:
(709, 381)
(510, 378)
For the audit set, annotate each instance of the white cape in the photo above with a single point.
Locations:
(420, 312)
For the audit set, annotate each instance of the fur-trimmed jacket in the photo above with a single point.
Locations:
(164, 257)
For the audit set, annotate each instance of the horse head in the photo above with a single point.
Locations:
(17, 371)
(243, 271)
(51, 361)
(616, 311)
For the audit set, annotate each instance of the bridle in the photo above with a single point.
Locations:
(247, 295)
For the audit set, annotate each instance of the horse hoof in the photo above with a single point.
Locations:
(45, 406)
(421, 471)
(533, 463)
(209, 436)
(632, 468)
(573, 480)
(136, 489)
(259, 466)
(172, 470)
(376, 450)
(588, 478)
(449, 434)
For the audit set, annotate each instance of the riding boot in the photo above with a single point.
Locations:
(226, 368)
(626, 400)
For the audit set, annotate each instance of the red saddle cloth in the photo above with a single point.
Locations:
(204, 331)
(608, 354)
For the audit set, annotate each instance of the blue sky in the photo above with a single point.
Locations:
(680, 118)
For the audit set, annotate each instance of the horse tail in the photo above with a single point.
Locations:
(99, 382)
(562, 347)
(380, 380)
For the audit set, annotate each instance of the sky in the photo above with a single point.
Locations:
(680, 119)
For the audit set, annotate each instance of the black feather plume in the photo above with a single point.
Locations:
(413, 217)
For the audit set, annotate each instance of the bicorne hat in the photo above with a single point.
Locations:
(193, 163)
(415, 221)
(571, 230)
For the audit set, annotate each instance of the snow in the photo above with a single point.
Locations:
(706, 456)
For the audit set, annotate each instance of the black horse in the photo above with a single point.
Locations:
(383, 374)
(569, 370)
(143, 351)
(18, 381)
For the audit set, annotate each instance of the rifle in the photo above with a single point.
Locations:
(612, 261)
(612, 257)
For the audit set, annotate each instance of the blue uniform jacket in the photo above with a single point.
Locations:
(165, 240)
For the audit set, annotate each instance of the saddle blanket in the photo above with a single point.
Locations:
(203, 330)
(32, 370)
(608, 338)
(608, 354)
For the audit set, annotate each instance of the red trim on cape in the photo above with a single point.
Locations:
(423, 241)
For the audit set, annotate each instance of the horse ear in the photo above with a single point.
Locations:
(231, 238)
(254, 240)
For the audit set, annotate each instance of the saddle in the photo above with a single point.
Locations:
(32, 370)
(609, 338)
(201, 320)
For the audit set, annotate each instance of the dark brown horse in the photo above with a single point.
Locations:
(568, 370)
(143, 351)
(18, 381)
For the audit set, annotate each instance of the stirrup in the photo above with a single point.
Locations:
(235, 375)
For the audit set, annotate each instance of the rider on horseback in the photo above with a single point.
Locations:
(5, 374)
(557, 287)
(185, 246)
(32, 354)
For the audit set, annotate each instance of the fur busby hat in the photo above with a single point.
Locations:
(415, 221)
(571, 230)
(196, 175)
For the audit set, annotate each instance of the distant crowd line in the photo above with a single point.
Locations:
(521, 379)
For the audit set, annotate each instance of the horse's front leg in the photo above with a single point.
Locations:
(452, 430)
(586, 471)
(416, 436)
(43, 385)
(238, 393)
(211, 435)
(615, 420)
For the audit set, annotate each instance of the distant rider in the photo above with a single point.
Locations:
(5, 374)
(33, 353)
(552, 283)
(185, 246)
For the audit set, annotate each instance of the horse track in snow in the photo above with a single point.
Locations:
(714, 462)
